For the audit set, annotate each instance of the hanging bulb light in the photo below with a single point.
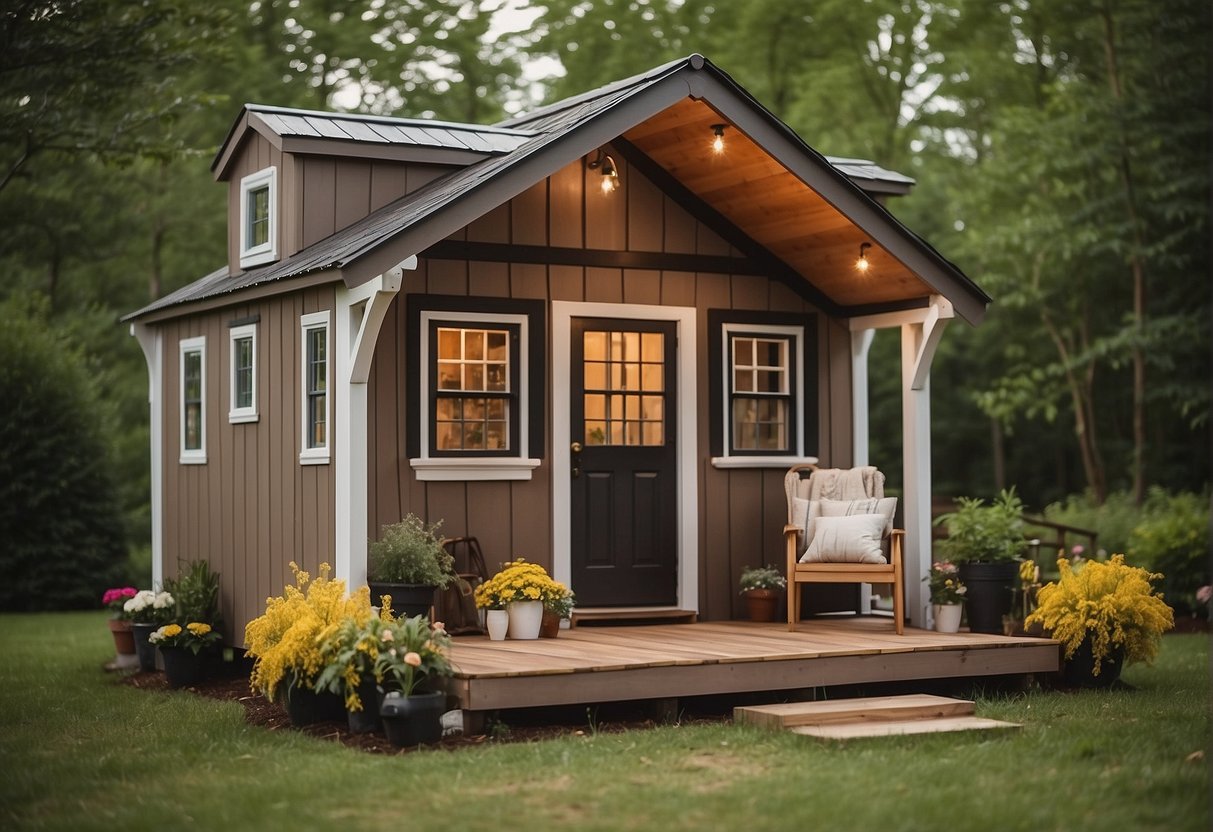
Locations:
(718, 142)
(862, 263)
(605, 165)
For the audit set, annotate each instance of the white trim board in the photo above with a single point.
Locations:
(688, 407)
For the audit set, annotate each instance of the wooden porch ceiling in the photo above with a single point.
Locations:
(773, 207)
(602, 664)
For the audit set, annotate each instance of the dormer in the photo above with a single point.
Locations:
(297, 176)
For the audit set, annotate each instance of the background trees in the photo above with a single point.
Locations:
(1061, 152)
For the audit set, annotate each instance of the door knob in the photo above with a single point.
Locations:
(575, 447)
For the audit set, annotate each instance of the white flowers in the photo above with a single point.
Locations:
(145, 600)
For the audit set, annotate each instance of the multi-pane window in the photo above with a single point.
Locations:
(258, 218)
(474, 387)
(193, 400)
(761, 392)
(624, 387)
(315, 403)
(243, 407)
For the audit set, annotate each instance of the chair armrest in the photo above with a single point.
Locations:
(789, 528)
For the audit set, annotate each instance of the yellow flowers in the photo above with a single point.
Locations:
(171, 630)
(285, 639)
(1111, 603)
(519, 580)
(198, 628)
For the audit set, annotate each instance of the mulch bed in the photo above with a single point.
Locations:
(517, 726)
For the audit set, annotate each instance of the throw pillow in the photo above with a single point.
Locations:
(848, 539)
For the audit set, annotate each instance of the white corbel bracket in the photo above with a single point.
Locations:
(933, 318)
(375, 296)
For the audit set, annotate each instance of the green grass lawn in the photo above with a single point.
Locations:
(79, 751)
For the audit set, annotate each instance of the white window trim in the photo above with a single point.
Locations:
(195, 456)
(796, 455)
(470, 466)
(238, 415)
(266, 252)
(307, 323)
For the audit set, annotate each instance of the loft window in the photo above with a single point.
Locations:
(259, 218)
(243, 358)
(193, 400)
(315, 401)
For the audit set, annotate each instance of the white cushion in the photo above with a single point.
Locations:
(885, 506)
(848, 539)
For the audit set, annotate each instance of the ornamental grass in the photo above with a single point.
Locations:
(284, 641)
(1112, 604)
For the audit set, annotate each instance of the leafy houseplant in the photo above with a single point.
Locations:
(408, 563)
(760, 585)
(284, 640)
(350, 652)
(1103, 613)
(196, 594)
(945, 584)
(986, 542)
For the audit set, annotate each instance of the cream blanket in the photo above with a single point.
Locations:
(845, 483)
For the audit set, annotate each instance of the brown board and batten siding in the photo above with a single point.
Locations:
(741, 511)
(251, 509)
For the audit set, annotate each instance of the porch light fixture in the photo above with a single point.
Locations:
(862, 263)
(605, 165)
(718, 142)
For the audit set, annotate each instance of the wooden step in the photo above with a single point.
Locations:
(631, 615)
(898, 728)
(874, 709)
(881, 716)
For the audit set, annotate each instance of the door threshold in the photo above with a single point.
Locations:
(627, 616)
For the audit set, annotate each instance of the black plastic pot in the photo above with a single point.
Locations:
(413, 720)
(183, 667)
(990, 593)
(407, 599)
(367, 721)
(305, 707)
(144, 649)
(1078, 671)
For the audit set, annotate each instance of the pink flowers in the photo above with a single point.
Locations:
(115, 598)
(1204, 594)
(412, 659)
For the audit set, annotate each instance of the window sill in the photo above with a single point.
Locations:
(314, 456)
(194, 459)
(257, 257)
(236, 418)
(760, 461)
(484, 468)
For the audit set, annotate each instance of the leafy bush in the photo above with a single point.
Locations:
(984, 533)
(60, 521)
(1173, 538)
(1114, 520)
(196, 591)
(410, 552)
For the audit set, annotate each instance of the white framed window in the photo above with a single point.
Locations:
(475, 394)
(242, 405)
(259, 218)
(193, 400)
(315, 404)
(759, 373)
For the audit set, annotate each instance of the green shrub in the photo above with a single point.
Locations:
(978, 532)
(61, 525)
(410, 552)
(1173, 538)
(1114, 520)
(196, 593)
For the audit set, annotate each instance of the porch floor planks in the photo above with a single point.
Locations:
(597, 664)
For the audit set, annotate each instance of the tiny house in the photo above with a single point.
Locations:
(595, 336)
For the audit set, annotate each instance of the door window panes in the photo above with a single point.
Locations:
(624, 386)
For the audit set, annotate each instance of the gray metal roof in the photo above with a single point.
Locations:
(523, 136)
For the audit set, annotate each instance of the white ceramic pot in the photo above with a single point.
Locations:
(525, 618)
(496, 621)
(947, 617)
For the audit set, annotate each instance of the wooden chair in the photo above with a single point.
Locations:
(839, 573)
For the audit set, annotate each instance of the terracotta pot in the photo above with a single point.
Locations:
(124, 640)
(550, 626)
(761, 603)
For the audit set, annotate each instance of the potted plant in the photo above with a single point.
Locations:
(182, 648)
(947, 595)
(761, 586)
(284, 643)
(195, 593)
(490, 596)
(520, 588)
(120, 627)
(1104, 614)
(147, 610)
(558, 605)
(986, 542)
(408, 563)
(412, 656)
(350, 651)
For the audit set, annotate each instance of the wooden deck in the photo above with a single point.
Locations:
(603, 664)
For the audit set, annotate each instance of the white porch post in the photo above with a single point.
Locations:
(360, 313)
(861, 343)
(152, 341)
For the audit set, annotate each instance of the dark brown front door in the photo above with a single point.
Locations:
(624, 491)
